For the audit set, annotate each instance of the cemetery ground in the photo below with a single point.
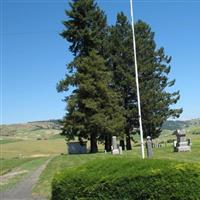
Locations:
(23, 155)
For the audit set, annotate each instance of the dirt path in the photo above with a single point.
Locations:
(23, 190)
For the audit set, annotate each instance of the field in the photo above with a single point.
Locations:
(22, 153)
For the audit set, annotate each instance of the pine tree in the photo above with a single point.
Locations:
(154, 67)
(93, 110)
(85, 27)
(121, 64)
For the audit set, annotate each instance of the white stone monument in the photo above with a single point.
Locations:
(116, 149)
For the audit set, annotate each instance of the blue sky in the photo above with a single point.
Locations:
(34, 56)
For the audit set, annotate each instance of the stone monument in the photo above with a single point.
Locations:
(116, 149)
(181, 144)
(149, 147)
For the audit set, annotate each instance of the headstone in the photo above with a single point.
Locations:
(120, 150)
(174, 144)
(77, 148)
(182, 143)
(149, 147)
(115, 149)
(114, 142)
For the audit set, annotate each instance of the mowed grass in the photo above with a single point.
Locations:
(24, 165)
(33, 148)
(9, 164)
(59, 163)
(10, 140)
(28, 149)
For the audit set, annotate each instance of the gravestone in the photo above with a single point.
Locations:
(149, 147)
(174, 144)
(114, 142)
(77, 147)
(120, 150)
(115, 148)
(182, 143)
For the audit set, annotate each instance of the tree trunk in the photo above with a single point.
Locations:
(128, 143)
(108, 141)
(121, 143)
(93, 143)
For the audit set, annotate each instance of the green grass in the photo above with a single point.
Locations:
(31, 148)
(9, 164)
(9, 140)
(71, 161)
(25, 164)
(58, 163)
(126, 178)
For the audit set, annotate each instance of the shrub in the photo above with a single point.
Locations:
(123, 178)
(170, 140)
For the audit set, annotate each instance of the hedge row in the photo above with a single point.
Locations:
(123, 178)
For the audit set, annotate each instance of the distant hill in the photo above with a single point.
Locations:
(31, 129)
(49, 128)
(173, 125)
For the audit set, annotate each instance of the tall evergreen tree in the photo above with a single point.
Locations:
(85, 27)
(120, 62)
(154, 68)
(93, 110)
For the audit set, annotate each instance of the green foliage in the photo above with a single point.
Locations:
(93, 107)
(195, 130)
(93, 110)
(120, 62)
(85, 27)
(58, 163)
(154, 68)
(123, 178)
(104, 101)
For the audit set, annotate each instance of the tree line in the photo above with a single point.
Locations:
(103, 101)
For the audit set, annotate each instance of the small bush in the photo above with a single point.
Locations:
(123, 178)
(196, 132)
(170, 140)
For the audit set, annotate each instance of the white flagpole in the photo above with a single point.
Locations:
(137, 82)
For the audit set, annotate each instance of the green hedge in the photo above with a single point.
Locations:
(124, 178)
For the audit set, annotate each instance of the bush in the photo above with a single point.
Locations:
(196, 132)
(123, 178)
(170, 140)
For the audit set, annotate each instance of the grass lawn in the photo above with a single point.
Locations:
(28, 150)
(9, 164)
(33, 148)
(70, 161)
(21, 167)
